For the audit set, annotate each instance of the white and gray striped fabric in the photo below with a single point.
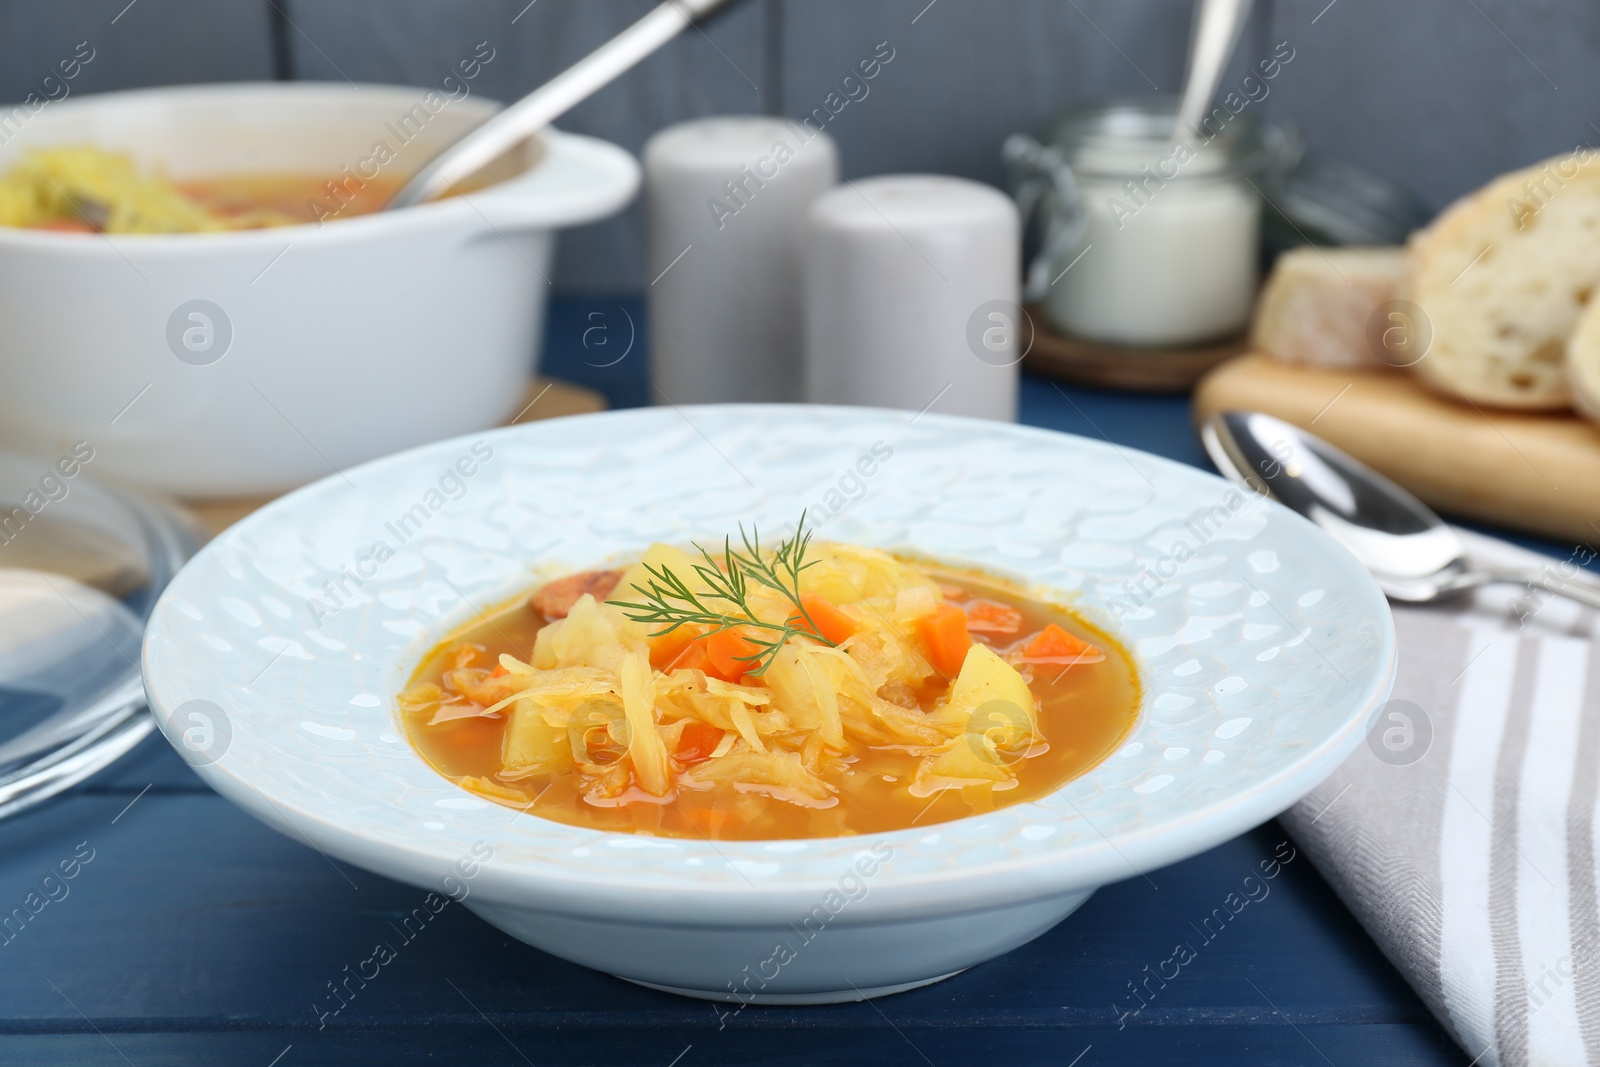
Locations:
(1463, 835)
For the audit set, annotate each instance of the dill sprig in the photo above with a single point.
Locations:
(669, 602)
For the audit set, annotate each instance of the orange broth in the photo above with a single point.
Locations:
(1085, 712)
(300, 197)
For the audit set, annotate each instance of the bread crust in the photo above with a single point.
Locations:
(1503, 276)
(1583, 363)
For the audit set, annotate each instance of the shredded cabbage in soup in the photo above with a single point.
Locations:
(838, 690)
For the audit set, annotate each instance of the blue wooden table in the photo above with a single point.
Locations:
(192, 934)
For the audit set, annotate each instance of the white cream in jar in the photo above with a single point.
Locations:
(1170, 244)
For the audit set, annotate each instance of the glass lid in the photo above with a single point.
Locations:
(81, 566)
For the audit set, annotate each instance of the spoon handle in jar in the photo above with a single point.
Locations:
(552, 100)
(1217, 24)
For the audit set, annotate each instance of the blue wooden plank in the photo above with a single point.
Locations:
(1488, 87)
(966, 73)
(1158, 424)
(146, 42)
(154, 765)
(880, 1046)
(1438, 95)
(600, 342)
(192, 920)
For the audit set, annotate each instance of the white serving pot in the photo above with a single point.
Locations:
(254, 361)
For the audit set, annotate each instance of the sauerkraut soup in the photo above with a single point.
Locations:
(744, 692)
(83, 189)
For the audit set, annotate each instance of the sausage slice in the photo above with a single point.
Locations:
(556, 598)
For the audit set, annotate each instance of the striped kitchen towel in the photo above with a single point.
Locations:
(1462, 835)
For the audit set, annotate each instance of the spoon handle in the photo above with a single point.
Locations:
(1583, 589)
(552, 100)
(1217, 24)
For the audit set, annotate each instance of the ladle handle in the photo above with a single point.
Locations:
(552, 100)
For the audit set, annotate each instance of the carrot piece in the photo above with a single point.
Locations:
(831, 623)
(1055, 643)
(725, 652)
(499, 671)
(692, 658)
(945, 638)
(697, 742)
(668, 649)
(988, 617)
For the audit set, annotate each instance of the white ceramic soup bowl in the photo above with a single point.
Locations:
(235, 363)
(273, 660)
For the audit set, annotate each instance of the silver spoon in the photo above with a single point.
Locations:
(551, 100)
(1415, 557)
(1217, 24)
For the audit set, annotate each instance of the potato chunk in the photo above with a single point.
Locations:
(532, 746)
(985, 678)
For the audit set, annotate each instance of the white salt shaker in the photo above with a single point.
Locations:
(912, 289)
(726, 200)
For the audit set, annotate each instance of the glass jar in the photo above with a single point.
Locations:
(1146, 240)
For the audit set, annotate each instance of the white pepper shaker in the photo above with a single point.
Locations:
(726, 200)
(912, 290)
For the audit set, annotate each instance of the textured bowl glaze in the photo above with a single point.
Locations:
(273, 659)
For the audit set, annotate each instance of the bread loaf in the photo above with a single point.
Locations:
(1503, 276)
(1583, 362)
(1317, 304)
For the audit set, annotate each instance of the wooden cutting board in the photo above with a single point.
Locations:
(545, 399)
(1539, 473)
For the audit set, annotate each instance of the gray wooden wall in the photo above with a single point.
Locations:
(1436, 94)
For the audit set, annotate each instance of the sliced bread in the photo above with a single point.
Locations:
(1503, 276)
(1317, 304)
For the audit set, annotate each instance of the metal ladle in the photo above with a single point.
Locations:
(550, 101)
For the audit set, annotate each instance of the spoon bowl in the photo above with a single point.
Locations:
(1414, 555)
